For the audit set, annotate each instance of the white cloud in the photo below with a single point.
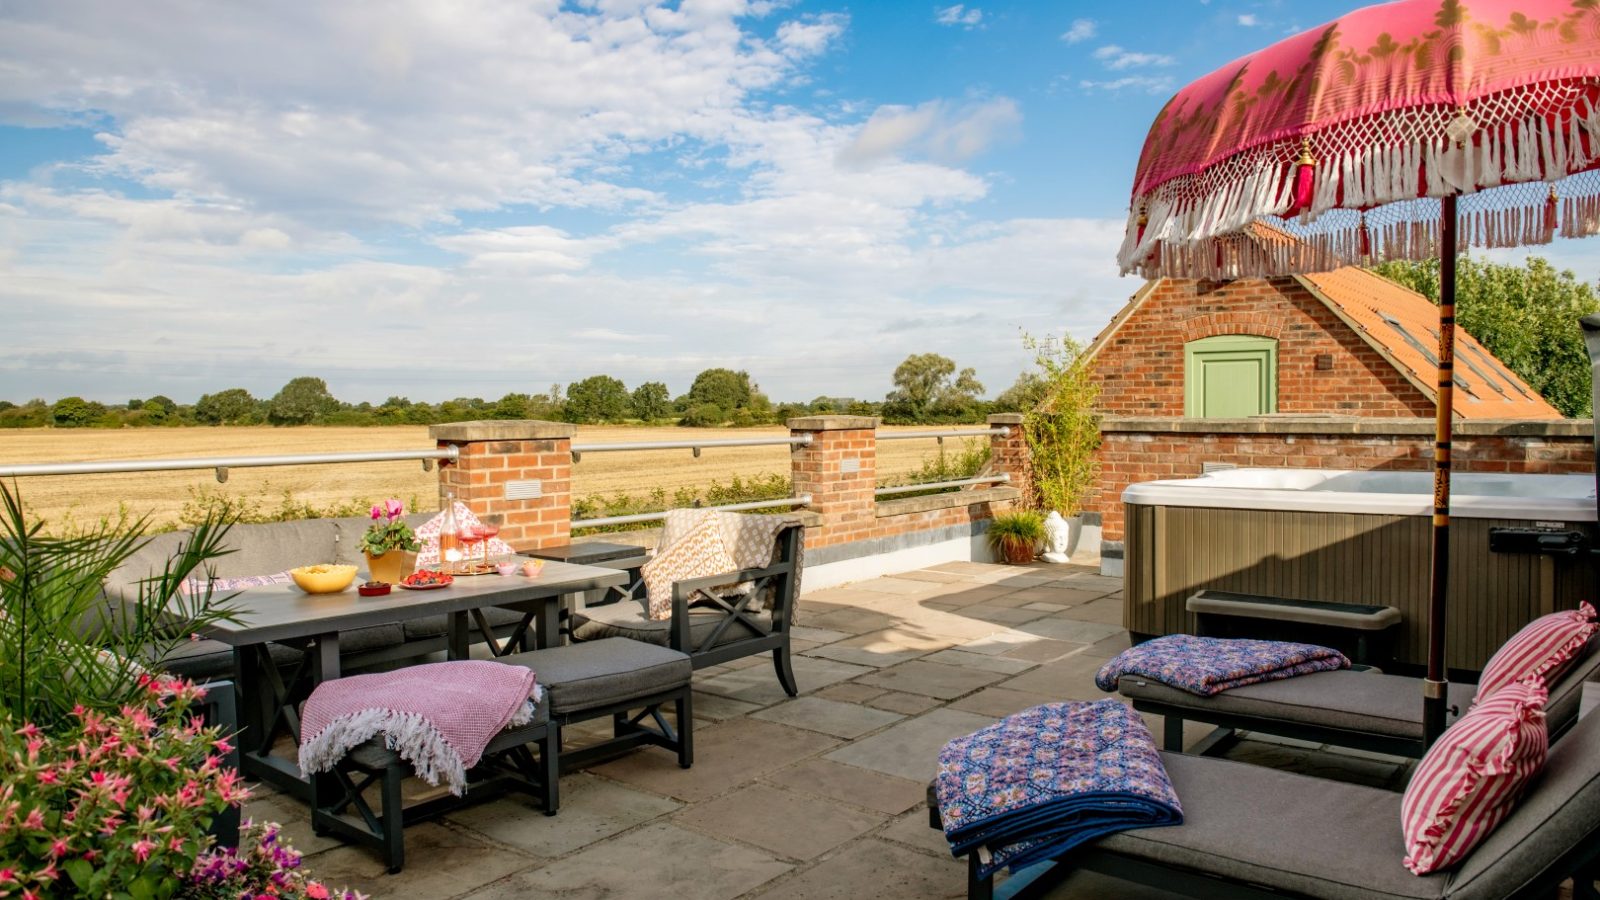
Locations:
(1148, 84)
(1080, 30)
(810, 37)
(1249, 20)
(1118, 58)
(960, 15)
(937, 129)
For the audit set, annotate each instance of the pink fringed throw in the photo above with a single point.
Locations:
(439, 717)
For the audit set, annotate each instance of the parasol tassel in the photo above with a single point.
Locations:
(1363, 239)
(1550, 215)
(1305, 179)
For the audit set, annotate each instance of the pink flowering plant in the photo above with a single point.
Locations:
(389, 530)
(114, 804)
(262, 865)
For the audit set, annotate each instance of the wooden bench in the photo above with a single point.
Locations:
(1364, 632)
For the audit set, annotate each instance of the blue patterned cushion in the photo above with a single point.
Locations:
(1207, 666)
(1043, 781)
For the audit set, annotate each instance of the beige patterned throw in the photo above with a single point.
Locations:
(697, 553)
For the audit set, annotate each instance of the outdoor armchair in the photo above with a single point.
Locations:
(712, 628)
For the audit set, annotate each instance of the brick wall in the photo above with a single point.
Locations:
(499, 460)
(1150, 449)
(1140, 368)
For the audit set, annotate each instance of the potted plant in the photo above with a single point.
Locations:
(1015, 536)
(389, 543)
(1062, 430)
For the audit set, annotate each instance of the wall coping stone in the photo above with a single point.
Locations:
(1286, 424)
(834, 423)
(908, 505)
(1005, 418)
(502, 430)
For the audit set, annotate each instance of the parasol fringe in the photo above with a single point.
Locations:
(1181, 233)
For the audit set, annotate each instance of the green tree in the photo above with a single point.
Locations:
(159, 408)
(233, 406)
(302, 401)
(598, 398)
(724, 388)
(1023, 395)
(703, 415)
(928, 388)
(511, 406)
(650, 401)
(75, 412)
(1526, 315)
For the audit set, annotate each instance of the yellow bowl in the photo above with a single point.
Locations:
(323, 579)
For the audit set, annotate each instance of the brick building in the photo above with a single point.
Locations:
(1346, 342)
(1333, 370)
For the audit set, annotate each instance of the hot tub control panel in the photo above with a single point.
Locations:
(1551, 541)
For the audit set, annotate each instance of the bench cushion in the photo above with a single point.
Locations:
(627, 619)
(434, 626)
(600, 673)
(1345, 843)
(375, 754)
(1389, 705)
(206, 660)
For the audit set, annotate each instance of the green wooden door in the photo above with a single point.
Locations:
(1230, 376)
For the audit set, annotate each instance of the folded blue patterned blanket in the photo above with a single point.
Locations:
(1207, 666)
(1038, 783)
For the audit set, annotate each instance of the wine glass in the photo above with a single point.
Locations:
(486, 532)
(470, 535)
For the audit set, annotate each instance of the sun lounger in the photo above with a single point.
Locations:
(1254, 832)
(1361, 709)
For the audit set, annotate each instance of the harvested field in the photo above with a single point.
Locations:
(162, 495)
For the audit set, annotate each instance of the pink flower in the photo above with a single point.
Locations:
(59, 848)
(394, 508)
(316, 891)
(35, 820)
(377, 513)
(142, 848)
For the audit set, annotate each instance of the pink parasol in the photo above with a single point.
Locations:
(1399, 131)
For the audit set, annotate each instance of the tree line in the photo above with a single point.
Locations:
(928, 389)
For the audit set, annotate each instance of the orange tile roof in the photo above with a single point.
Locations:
(1404, 326)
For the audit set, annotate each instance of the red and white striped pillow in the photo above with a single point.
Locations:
(1469, 781)
(1544, 647)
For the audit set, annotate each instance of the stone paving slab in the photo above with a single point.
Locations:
(592, 809)
(1058, 628)
(658, 860)
(1000, 702)
(882, 648)
(760, 685)
(1071, 678)
(932, 679)
(852, 784)
(901, 702)
(911, 748)
(1001, 664)
(882, 871)
(843, 720)
(726, 755)
(716, 707)
(790, 825)
(440, 862)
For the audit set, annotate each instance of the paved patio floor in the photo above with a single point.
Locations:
(819, 796)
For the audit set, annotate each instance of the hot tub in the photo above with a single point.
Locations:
(1356, 537)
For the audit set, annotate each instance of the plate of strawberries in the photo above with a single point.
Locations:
(426, 580)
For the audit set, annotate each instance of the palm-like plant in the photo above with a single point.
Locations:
(62, 643)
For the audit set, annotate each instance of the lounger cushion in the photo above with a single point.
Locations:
(1469, 780)
(627, 619)
(1366, 702)
(1544, 648)
(1294, 833)
(600, 673)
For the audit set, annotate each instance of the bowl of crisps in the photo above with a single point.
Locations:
(323, 579)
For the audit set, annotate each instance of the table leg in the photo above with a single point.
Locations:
(458, 636)
(324, 667)
(547, 625)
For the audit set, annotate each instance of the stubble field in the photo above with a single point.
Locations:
(161, 495)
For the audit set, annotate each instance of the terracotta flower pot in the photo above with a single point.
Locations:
(1017, 552)
(391, 567)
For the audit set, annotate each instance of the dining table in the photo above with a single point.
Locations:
(283, 614)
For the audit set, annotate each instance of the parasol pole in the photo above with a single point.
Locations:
(1435, 688)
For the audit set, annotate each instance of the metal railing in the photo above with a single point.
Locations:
(221, 464)
(696, 446)
(937, 485)
(802, 500)
(1002, 431)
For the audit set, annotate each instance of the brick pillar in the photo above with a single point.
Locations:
(513, 473)
(1008, 454)
(839, 469)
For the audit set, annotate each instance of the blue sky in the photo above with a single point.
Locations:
(483, 197)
